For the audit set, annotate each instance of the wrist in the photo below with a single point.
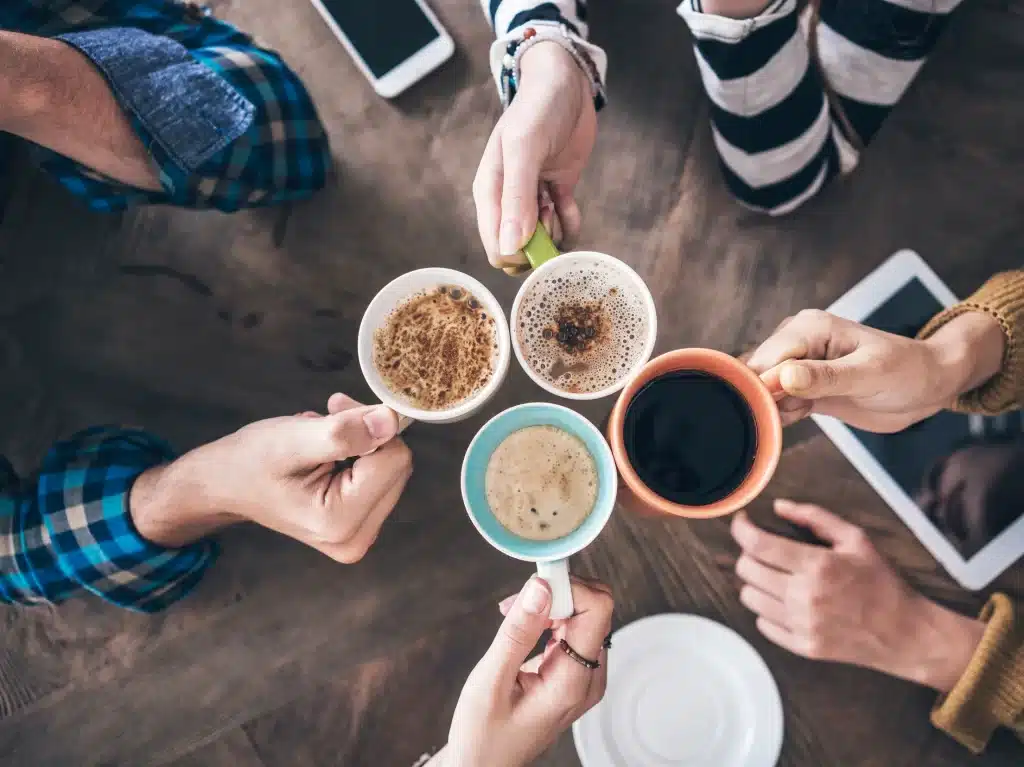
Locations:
(171, 507)
(969, 351)
(549, 59)
(734, 9)
(944, 642)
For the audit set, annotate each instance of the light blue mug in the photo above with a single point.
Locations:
(552, 557)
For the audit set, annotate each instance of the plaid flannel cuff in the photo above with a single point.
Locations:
(247, 135)
(76, 532)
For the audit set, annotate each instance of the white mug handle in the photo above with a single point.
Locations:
(556, 573)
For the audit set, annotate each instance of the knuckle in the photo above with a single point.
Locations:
(350, 555)
(332, 527)
(814, 317)
(814, 646)
(820, 569)
(604, 603)
(860, 541)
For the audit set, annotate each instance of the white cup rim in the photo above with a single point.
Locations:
(443, 276)
(652, 321)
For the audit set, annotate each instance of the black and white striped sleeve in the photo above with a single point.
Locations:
(770, 117)
(563, 21)
(778, 136)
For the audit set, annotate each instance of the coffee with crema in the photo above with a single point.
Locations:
(541, 483)
(582, 327)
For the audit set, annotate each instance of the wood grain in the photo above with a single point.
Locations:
(195, 323)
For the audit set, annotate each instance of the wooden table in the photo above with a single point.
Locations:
(283, 658)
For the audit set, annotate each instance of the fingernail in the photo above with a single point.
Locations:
(795, 377)
(784, 504)
(505, 604)
(535, 597)
(380, 422)
(508, 239)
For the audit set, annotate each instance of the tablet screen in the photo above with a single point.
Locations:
(966, 473)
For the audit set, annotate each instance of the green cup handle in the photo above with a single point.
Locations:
(540, 249)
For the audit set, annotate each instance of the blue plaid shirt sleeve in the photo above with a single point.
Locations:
(228, 124)
(70, 529)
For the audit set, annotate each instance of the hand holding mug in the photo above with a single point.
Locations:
(843, 602)
(281, 473)
(873, 380)
(511, 708)
(542, 142)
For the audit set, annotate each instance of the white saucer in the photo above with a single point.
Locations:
(683, 691)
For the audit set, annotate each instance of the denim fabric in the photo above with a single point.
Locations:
(190, 111)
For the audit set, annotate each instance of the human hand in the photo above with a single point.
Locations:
(842, 602)
(512, 709)
(280, 473)
(538, 149)
(815, 361)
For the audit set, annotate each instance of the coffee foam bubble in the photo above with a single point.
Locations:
(583, 289)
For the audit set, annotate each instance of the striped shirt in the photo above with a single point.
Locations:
(778, 136)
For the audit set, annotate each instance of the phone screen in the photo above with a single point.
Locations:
(385, 32)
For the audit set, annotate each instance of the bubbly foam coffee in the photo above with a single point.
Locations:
(437, 348)
(541, 483)
(582, 328)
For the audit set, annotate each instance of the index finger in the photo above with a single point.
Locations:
(809, 334)
(781, 553)
(487, 187)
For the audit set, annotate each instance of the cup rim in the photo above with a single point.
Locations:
(766, 418)
(587, 426)
(465, 408)
(652, 318)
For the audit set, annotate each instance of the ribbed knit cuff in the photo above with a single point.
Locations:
(1002, 297)
(990, 694)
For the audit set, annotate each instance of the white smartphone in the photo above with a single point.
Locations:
(954, 479)
(394, 42)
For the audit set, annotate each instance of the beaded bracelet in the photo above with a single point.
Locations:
(516, 48)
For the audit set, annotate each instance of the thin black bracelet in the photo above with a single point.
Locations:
(567, 649)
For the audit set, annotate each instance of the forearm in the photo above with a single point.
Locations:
(171, 507)
(734, 9)
(970, 349)
(54, 96)
(944, 643)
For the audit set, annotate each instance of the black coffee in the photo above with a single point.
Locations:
(690, 437)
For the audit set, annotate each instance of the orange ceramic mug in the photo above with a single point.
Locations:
(637, 496)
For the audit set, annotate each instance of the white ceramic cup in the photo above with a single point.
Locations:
(630, 281)
(398, 291)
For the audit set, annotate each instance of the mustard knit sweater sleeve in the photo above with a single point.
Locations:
(1002, 297)
(991, 692)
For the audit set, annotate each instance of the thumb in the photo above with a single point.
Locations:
(522, 628)
(817, 379)
(520, 182)
(346, 434)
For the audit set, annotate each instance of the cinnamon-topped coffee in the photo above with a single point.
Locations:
(582, 328)
(437, 348)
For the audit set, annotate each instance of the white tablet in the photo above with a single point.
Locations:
(956, 480)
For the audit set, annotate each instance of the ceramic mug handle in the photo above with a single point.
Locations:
(556, 573)
(540, 249)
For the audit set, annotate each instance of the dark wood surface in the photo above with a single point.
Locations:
(283, 658)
